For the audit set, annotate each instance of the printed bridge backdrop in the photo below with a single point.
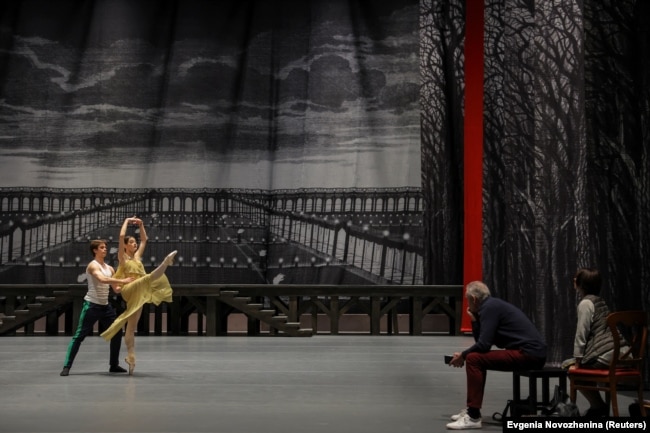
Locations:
(268, 134)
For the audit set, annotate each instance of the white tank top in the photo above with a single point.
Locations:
(98, 292)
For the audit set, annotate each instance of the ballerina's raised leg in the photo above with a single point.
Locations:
(160, 270)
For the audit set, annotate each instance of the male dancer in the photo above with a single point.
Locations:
(96, 307)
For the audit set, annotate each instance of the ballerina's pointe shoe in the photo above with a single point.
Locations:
(170, 258)
(130, 361)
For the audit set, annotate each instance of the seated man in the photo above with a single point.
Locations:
(494, 322)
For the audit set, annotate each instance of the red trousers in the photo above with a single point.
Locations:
(477, 364)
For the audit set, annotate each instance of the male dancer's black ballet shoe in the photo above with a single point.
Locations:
(169, 260)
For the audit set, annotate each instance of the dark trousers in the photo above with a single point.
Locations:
(477, 364)
(90, 314)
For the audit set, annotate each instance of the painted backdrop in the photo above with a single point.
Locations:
(198, 93)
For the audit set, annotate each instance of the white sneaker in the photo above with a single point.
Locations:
(465, 423)
(459, 415)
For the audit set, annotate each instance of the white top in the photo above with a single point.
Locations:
(98, 292)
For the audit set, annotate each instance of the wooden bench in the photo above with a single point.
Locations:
(545, 374)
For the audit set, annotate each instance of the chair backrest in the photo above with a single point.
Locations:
(630, 332)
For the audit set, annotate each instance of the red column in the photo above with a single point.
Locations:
(473, 149)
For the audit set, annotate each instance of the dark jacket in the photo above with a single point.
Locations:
(505, 326)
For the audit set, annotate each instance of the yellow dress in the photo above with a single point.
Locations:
(137, 293)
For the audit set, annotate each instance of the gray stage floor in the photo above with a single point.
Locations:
(242, 385)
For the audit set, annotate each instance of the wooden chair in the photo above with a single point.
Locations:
(629, 327)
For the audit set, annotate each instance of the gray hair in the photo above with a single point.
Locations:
(478, 289)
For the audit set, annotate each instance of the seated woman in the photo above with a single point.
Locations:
(593, 344)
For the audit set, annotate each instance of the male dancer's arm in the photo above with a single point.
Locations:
(95, 270)
(117, 288)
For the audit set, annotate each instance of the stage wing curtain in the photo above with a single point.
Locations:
(441, 64)
(535, 220)
(565, 156)
(534, 170)
(565, 172)
(617, 106)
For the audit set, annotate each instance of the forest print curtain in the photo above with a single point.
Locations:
(565, 153)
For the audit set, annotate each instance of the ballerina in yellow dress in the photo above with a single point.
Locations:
(146, 288)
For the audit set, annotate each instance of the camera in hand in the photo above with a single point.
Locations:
(448, 359)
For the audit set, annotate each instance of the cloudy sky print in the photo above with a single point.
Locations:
(193, 94)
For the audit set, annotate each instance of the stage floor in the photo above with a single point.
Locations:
(321, 384)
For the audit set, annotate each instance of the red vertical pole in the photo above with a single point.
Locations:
(473, 149)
